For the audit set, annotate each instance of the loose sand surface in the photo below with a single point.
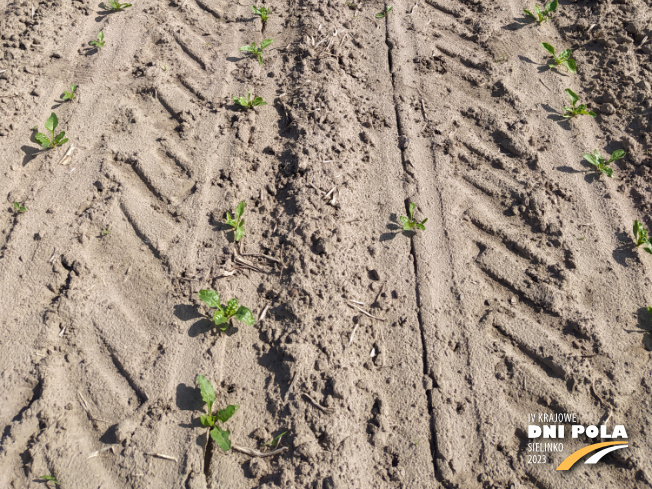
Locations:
(391, 359)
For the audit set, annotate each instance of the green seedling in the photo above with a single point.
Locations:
(542, 15)
(116, 6)
(210, 420)
(576, 110)
(248, 103)
(599, 162)
(383, 14)
(409, 224)
(262, 12)
(69, 95)
(19, 208)
(53, 141)
(100, 40)
(257, 51)
(563, 59)
(649, 311)
(275, 441)
(640, 233)
(223, 314)
(49, 478)
(106, 231)
(237, 223)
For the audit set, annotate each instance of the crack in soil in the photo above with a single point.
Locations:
(424, 352)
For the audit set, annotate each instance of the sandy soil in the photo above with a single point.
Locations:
(525, 293)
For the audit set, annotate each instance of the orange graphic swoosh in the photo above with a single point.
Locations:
(575, 456)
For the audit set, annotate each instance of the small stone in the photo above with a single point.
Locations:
(607, 109)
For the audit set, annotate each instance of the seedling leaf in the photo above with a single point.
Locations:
(263, 12)
(207, 420)
(52, 122)
(551, 6)
(573, 96)
(43, 140)
(210, 297)
(238, 223)
(50, 478)
(571, 65)
(207, 391)
(69, 95)
(19, 208)
(245, 315)
(221, 437)
(266, 43)
(548, 48)
(640, 233)
(220, 318)
(383, 14)
(225, 414)
(617, 155)
(276, 440)
(564, 55)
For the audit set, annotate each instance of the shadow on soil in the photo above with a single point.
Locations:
(625, 253)
(645, 327)
(395, 228)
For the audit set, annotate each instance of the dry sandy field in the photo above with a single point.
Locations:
(386, 358)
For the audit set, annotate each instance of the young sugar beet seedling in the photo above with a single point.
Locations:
(116, 6)
(563, 59)
(210, 420)
(384, 13)
(100, 40)
(248, 103)
(542, 15)
(69, 95)
(640, 234)
(409, 224)
(53, 141)
(237, 223)
(262, 12)
(599, 162)
(576, 110)
(255, 50)
(223, 314)
(19, 208)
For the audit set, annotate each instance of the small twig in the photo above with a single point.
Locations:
(318, 406)
(317, 189)
(226, 273)
(163, 456)
(375, 302)
(83, 402)
(353, 334)
(260, 255)
(364, 312)
(97, 453)
(263, 313)
(68, 156)
(255, 453)
(246, 264)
